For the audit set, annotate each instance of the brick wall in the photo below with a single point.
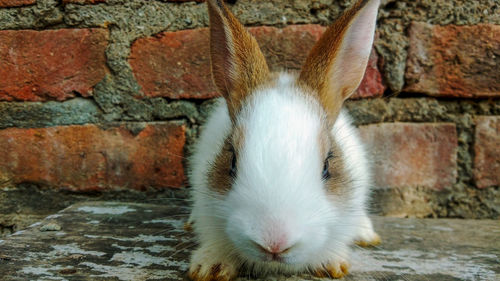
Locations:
(109, 94)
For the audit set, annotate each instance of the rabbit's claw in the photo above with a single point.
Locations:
(205, 267)
(335, 269)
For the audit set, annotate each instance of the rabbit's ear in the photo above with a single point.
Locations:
(238, 65)
(336, 64)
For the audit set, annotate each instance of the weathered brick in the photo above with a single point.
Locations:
(177, 64)
(51, 64)
(454, 61)
(371, 86)
(83, 1)
(16, 3)
(89, 157)
(412, 155)
(487, 151)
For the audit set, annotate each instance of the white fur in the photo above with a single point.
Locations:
(278, 191)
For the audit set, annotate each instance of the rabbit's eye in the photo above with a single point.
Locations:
(232, 172)
(326, 166)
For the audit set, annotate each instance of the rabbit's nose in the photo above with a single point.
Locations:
(274, 250)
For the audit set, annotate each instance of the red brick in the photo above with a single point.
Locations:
(173, 64)
(371, 86)
(487, 151)
(88, 157)
(177, 64)
(51, 64)
(16, 3)
(412, 155)
(102, 1)
(83, 1)
(454, 61)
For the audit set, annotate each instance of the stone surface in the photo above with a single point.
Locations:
(454, 61)
(51, 64)
(177, 64)
(16, 3)
(412, 155)
(89, 157)
(129, 241)
(27, 203)
(487, 151)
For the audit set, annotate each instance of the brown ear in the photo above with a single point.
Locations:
(238, 66)
(336, 64)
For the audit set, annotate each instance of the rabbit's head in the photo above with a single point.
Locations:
(285, 189)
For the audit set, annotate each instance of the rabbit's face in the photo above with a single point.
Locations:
(282, 182)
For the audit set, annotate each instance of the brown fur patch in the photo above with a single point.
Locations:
(215, 270)
(193, 274)
(215, 274)
(219, 177)
(316, 70)
(338, 183)
(238, 65)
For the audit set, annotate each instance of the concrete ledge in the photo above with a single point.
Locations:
(128, 241)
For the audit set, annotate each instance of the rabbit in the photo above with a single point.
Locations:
(279, 176)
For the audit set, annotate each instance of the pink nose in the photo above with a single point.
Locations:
(276, 248)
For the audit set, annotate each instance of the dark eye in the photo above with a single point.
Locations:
(326, 166)
(232, 172)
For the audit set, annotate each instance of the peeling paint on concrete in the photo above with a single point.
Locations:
(415, 262)
(58, 251)
(106, 210)
(73, 248)
(140, 238)
(404, 226)
(181, 264)
(42, 271)
(442, 228)
(18, 232)
(152, 249)
(172, 222)
(129, 273)
(35, 224)
(137, 258)
(176, 224)
(53, 216)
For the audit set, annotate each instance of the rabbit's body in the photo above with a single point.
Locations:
(279, 175)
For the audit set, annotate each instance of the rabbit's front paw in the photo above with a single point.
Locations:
(205, 266)
(335, 269)
(368, 239)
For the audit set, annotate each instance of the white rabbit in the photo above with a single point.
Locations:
(279, 176)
